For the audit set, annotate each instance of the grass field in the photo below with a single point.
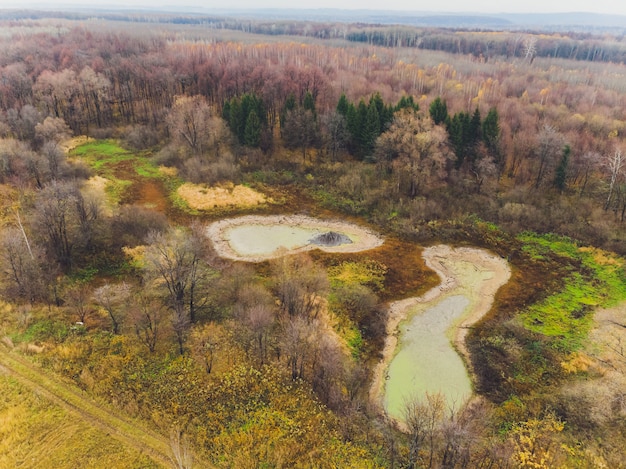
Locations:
(47, 423)
(36, 433)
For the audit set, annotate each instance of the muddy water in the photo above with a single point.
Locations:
(426, 361)
(262, 240)
(255, 238)
(425, 347)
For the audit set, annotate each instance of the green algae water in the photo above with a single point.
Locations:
(426, 361)
(262, 240)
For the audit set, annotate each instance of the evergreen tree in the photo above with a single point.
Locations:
(252, 132)
(491, 136)
(290, 105)
(406, 102)
(236, 120)
(560, 175)
(343, 105)
(309, 103)
(370, 131)
(439, 111)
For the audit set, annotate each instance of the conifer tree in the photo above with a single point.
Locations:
(439, 111)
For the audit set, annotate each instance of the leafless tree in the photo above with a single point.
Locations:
(147, 315)
(194, 126)
(78, 297)
(615, 165)
(415, 151)
(548, 148)
(20, 266)
(423, 419)
(182, 457)
(174, 263)
(300, 285)
(113, 299)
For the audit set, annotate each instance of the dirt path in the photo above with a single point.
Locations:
(474, 273)
(77, 403)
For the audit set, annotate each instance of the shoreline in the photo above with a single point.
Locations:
(363, 239)
(448, 263)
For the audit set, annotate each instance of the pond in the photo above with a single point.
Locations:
(255, 238)
(264, 240)
(425, 361)
(425, 346)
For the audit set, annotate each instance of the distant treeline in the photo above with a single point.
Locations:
(482, 44)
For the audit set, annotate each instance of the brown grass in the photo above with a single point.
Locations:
(200, 197)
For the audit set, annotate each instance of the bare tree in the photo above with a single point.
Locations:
(173, 262)
(336, 133)
(78, 297)
(55, 220)
(20, 266)
(147, 315)
(423, 419)
(194, 126)
(182, 457)
(298, 343)
(300, 285)
(615, 165)
(549, 146)
(415, 151)
(530, 49)
(113, 299)
(52, 129)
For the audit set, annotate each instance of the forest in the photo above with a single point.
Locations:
(126, 340)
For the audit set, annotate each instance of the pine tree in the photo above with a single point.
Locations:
(491, 137)
(252, 132)
(560, 175)
(236, 120)
(290, 105)
(309, 103)
(343, 105)
(439, 111)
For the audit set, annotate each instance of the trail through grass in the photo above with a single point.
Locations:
(150, 449)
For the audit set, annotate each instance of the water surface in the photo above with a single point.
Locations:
(261, 240)
(426, 361)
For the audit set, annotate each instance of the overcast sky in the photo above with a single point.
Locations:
(480, 6)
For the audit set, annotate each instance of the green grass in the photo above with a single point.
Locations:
(104, 155)
(108, 160)
(566, 315)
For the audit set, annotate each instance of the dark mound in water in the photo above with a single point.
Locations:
(330, 239)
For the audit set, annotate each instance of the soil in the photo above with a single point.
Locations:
(445, 261)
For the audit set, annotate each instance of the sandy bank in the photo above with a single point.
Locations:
(474, 273)
(362, 238)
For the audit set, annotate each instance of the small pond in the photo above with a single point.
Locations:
(263, 240)
(256, 238)
(425, 360)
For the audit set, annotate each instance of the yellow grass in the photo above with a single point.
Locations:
(168, 171)
(95, 188)
(35, 433)
(8, 203)
(72, 143)
(200, 197)
(135, 255)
